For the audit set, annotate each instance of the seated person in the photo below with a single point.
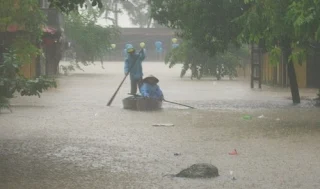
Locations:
(150, 89)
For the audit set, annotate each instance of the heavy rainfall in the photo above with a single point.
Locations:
(159, 94)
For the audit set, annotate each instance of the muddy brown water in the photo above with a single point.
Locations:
(69, 138)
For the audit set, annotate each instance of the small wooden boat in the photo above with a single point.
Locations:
(141, 104)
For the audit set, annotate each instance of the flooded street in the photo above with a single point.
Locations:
(69, 138)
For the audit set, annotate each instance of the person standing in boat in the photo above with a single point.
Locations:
(125, 53)
(150, 88)
(133, 64)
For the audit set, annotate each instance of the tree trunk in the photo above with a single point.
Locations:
(116, 13)
(292, 75)
(149, 22)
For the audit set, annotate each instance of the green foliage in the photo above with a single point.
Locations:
(89, 39)
(12, 81)
(208, 24)
(28, 17)
(72, 5)
(191, 57)
(305, 15)
(68, 68)
(299, 56)
(4, 103)
(179, 55)
(275, 56)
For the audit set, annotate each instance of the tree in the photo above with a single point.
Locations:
(12, 81)
(209, 24)
(218, 65)
(305, 16)
(285, 26)
(21, 30)
(138, 12)
(267, 22)
(72, 5)
(89, 40)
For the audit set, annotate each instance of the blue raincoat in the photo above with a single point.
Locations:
(175, 45)
(158, 45)
(151, 91)
(136, 71)
(124, 53)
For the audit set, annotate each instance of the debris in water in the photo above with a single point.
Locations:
(247, 117)
(163, 125)
(262, 116)
(231, 174)
(278, 119)
(234, 152)
(202, 170)
(177, 154)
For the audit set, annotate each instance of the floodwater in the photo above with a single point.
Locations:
(69, 138)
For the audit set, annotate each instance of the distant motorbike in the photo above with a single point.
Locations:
(196, 71)
(220, 71)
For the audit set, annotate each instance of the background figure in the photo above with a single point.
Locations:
(159, 49)
(175, 45)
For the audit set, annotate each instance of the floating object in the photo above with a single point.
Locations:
(278, 119)
(247, 117)
(113, 46)
(141, 104)
(231, 174)
(202, 170)
(163, 125)
(234, 152)
(262, 116)
(177, 154)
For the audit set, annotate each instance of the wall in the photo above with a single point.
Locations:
(29, 70)
(301, 72)
(135, 36)
(244, 72)
(277, 74)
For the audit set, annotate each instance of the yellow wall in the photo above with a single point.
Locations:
(244, 72)
(267, 69)
(29, 70)
(268, 72)
(301, 72)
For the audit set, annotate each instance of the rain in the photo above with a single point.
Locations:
(159, 94)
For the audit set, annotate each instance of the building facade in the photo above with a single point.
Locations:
(149, 36)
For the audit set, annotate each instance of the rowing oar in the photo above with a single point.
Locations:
(178, 104)
(116, 92)
(172, 102)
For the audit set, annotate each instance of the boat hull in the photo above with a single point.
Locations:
(141, 104)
